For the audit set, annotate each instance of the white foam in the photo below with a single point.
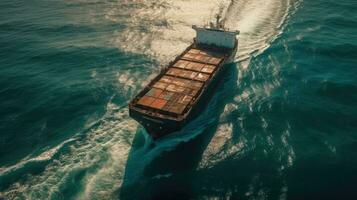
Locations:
(103, 151)
(45, 156)
(168, 24)
(260, 23)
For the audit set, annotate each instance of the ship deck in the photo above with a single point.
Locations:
(176, 89)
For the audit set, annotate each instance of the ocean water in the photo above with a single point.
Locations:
(282, 125)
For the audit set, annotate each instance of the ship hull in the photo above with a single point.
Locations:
(158, 127)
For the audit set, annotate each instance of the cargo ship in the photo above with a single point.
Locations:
(183, 88)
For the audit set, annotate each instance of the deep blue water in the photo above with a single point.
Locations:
(283, 124)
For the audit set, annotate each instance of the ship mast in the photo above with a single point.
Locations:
(219, 23)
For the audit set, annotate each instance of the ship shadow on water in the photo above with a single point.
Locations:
(165, 168)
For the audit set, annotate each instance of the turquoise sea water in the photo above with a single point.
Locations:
(283, 124)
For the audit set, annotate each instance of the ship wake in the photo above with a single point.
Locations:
(94, 161)
(162, 29)
(260, 23)
(168, 32)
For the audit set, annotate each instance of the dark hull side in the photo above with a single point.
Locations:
(158, 127)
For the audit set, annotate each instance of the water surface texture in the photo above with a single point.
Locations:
(282, 125)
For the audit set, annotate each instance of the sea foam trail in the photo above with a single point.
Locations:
(260, 23)
(168, 24)
(92, 162)
(160, 29)
(98, 158)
